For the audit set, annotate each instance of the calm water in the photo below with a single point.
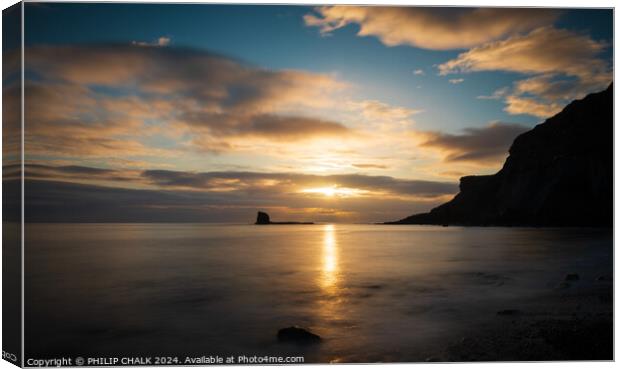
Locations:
(374, 292)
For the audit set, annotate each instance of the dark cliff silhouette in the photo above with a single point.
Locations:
(262, 218)
(560, 173)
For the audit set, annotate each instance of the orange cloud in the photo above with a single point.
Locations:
(523, 105)
(68, 119)
(565, 65)
(544, 50)
(379, 111)
(194, 96)
(431, 28)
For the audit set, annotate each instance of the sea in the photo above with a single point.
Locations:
(374, 293)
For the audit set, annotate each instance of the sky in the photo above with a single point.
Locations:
(331, 113)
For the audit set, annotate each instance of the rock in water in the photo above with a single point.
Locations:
(262, 218)
(563, 285)
(558, 174)
(297, 335)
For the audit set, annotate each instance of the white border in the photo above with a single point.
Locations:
(23, 156)
(488, 3)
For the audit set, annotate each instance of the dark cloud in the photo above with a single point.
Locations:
(231, 181)
(73, 169)
(77, 193)
(268, 181)
(481, 145)
(76, 172)
(369, 166)
(287, 127)
(265, 125)
(50, 201)
(237, 181)
(11, 120)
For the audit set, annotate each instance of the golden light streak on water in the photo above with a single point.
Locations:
(329, 272)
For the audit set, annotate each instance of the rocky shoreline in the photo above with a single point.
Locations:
(571, 322)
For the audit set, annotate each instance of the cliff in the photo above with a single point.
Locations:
(560, 173)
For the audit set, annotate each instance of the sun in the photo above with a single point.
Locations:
(328, 191)
(333, 191)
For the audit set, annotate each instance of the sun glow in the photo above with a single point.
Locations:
(330, 258)
(334, 191)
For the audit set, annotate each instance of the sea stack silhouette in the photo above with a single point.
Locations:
(263, 218)
(560, 173)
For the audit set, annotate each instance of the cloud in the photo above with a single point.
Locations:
(496, 95)
(369, 166)
(431, 28)
(165, 107)
(81, 174)
(515, 40)
(265, 125)
(80, 193)
(481, 145)
(215, 82)
(294, 127)
(161, 41)
(68, 119)
(545, 95)
(378, 113)
(295, 182)
(284, 184)
(108, 100)
(544, 50)
(551, 87)
(565, 66)
(523, 105)
(49, 201)
(418, 72)
(11, 121)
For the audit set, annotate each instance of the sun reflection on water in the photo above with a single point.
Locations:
(331, 306)
(329, 278)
